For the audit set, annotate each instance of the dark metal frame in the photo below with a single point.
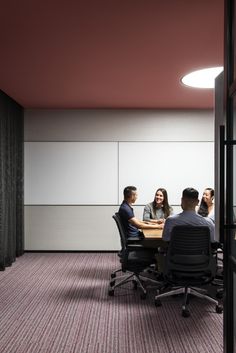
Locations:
(227, 228)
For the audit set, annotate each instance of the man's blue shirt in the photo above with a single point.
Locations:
(126, 212)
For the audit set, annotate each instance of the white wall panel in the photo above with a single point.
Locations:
(119, 125)
(67, 173)
(70, 228)
(171, 165)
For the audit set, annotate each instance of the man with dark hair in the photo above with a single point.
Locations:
(131, 224)
(189, 201)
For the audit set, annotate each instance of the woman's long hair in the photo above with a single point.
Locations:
(166, 206)
(203, 209)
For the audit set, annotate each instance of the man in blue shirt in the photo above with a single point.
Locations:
(131, 224)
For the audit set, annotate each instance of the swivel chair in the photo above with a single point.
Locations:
(134, 259)
(218, 282)
(189, 265)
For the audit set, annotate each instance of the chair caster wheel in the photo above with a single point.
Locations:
(112, 283)
(135, 284)
(185, 313)
(143, 295)
(113, 275)
(158, 302)
(111, 292)
(219, 309)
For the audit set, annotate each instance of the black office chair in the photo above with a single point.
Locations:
(134, 259)
(218, 281)
(189, 264)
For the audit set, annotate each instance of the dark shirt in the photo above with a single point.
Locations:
(126, 212)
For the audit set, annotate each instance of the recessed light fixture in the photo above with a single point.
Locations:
(204, 78)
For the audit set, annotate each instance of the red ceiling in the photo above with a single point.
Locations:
(108, 53)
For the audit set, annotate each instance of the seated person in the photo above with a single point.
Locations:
(189, 201)
(159, 209)
(131, 224)
(206, 208)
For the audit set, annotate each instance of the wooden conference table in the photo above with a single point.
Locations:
(152, 233)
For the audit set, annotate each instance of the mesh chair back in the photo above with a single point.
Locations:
(190, 240)
(123, 238)
(189, 253)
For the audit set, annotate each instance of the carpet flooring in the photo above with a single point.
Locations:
(59, 303)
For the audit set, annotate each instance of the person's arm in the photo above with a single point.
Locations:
(144, 225)
(157, 221)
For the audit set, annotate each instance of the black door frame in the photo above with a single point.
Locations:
(227, 226)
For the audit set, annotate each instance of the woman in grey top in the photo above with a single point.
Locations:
(158, 210)
(206, 208)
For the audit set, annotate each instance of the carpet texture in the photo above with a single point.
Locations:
(58, 303)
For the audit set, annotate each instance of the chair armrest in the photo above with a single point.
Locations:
(135, 246)
(133, 239)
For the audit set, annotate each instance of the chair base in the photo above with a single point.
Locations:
(197, 292)
(113, 274)
(137, 279)
(131, 277)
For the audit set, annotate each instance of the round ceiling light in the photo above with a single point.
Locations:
(204, 78)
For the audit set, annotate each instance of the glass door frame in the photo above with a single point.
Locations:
(227, 225)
